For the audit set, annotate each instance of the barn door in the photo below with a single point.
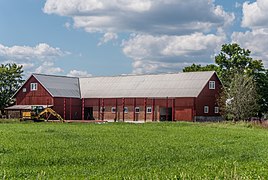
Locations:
(165, 114)
(89, 113)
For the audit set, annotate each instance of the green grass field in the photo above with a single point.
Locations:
(133, 151)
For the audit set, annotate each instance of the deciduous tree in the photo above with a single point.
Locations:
(10, 81)
(240, 100)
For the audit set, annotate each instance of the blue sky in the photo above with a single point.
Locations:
(103, 38)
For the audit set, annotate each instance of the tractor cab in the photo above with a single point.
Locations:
(37, 110)
(33, 113)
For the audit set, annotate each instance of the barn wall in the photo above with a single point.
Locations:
(38, 97)
(208, 97)
(183, 108)
(72, 108)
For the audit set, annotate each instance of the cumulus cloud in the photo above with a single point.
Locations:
(170, 53)
(77, 73)
(39, 58)
(109, 36)
(255, 14)
(154, 16)
(40, 51)
(169, 34)
(255, 39)
(48, 68)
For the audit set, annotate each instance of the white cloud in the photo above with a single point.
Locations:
(169, 33)
(109, 36)
(255, 41)
(48, 68)
(255, 14)
(40, 51)
(39, 58)
(77, 73)
(170, 53)
(150, 16)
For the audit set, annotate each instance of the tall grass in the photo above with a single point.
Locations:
(133, 151)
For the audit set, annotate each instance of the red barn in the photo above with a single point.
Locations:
(188, 96)
(60, 93)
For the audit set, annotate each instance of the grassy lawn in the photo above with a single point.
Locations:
(133, 151)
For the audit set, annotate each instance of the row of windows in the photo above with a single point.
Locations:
(137, 109)
(33, 87)
(206, 109)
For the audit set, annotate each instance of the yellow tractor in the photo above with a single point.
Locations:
(37, 114)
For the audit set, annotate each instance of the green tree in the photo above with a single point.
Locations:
(10, 81)
(194, 67)
(233, 60)
(240, 100)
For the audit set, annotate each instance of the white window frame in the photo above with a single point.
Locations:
(137, 109)
(206, 109)
(24, 90)
(216, 110)
(125, 109)
(33, 86)
(113, 109)
(212, 85)
(149, 108)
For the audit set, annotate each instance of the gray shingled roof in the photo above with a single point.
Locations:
(161, 85)
(60, 86)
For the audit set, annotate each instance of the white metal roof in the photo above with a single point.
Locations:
(60, 86)
(188, 84)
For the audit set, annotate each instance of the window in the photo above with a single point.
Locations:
(149, 109)
(206, 109)
(216, 109)
(137, 109)
(24, 90)
(33, 86)
(113, 109)
(211, 84)
(125, 110)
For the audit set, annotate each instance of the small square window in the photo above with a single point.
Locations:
(149, 109)
(125, 110)
(137, 109)
(24, 90)
(113, 109)
(211, 84)
(206, 109)
(33, 86)
(216, 110)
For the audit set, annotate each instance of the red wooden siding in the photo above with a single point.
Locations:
(208, 97)
(38, 97)
(72, 108)
(183, 108)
